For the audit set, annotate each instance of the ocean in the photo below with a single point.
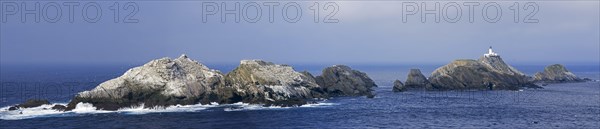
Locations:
(569, 105)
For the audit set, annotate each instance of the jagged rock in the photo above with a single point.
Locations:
(417, 80)
(556, 73)
(29, 103)
(340, 80)
(486, 73)
(257, 81)
(160, 82)
(398, 86)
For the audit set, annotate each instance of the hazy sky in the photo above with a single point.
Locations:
(367, 32)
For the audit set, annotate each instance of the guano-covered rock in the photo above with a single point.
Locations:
(160, 82)
(257, 81)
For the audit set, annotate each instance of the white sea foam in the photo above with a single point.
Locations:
(319, 105)
(86, 108)
(47, 111)
(175, 108)
(245, 106)
(41, 111)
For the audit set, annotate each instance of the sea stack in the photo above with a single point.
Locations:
(490, 72)
(416, 80)
(556, 73)
(341, 80)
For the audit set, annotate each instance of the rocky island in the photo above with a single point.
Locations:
(557, 73)
(489, 72)
(479, 75)
(183, 81)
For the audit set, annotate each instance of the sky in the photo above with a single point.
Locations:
(366, 32)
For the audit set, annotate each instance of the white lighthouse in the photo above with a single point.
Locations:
(490, 53)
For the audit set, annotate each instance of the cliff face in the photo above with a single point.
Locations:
(556, 73)
(157, 83)
(486, 73)
(340, 80)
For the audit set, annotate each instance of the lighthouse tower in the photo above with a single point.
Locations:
(490, 53)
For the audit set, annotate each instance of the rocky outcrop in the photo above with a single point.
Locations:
(257, 81)
(29, 103)
(398, 86)
(160, 82)
(340, 80)
(416, 80)
(556, 73)
(483, 74)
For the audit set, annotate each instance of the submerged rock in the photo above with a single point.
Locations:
(257, 81)
(486, 73)
(370, 96)
(33, 103)
(29, 103)
(59, 107)
(13, 108)
(340, 80)
(398, 86)
(556, 73)
(160, 82)
(416, 79)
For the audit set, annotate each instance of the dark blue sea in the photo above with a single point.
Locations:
(571, 105)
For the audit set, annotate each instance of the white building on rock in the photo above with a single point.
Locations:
(490, 53)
